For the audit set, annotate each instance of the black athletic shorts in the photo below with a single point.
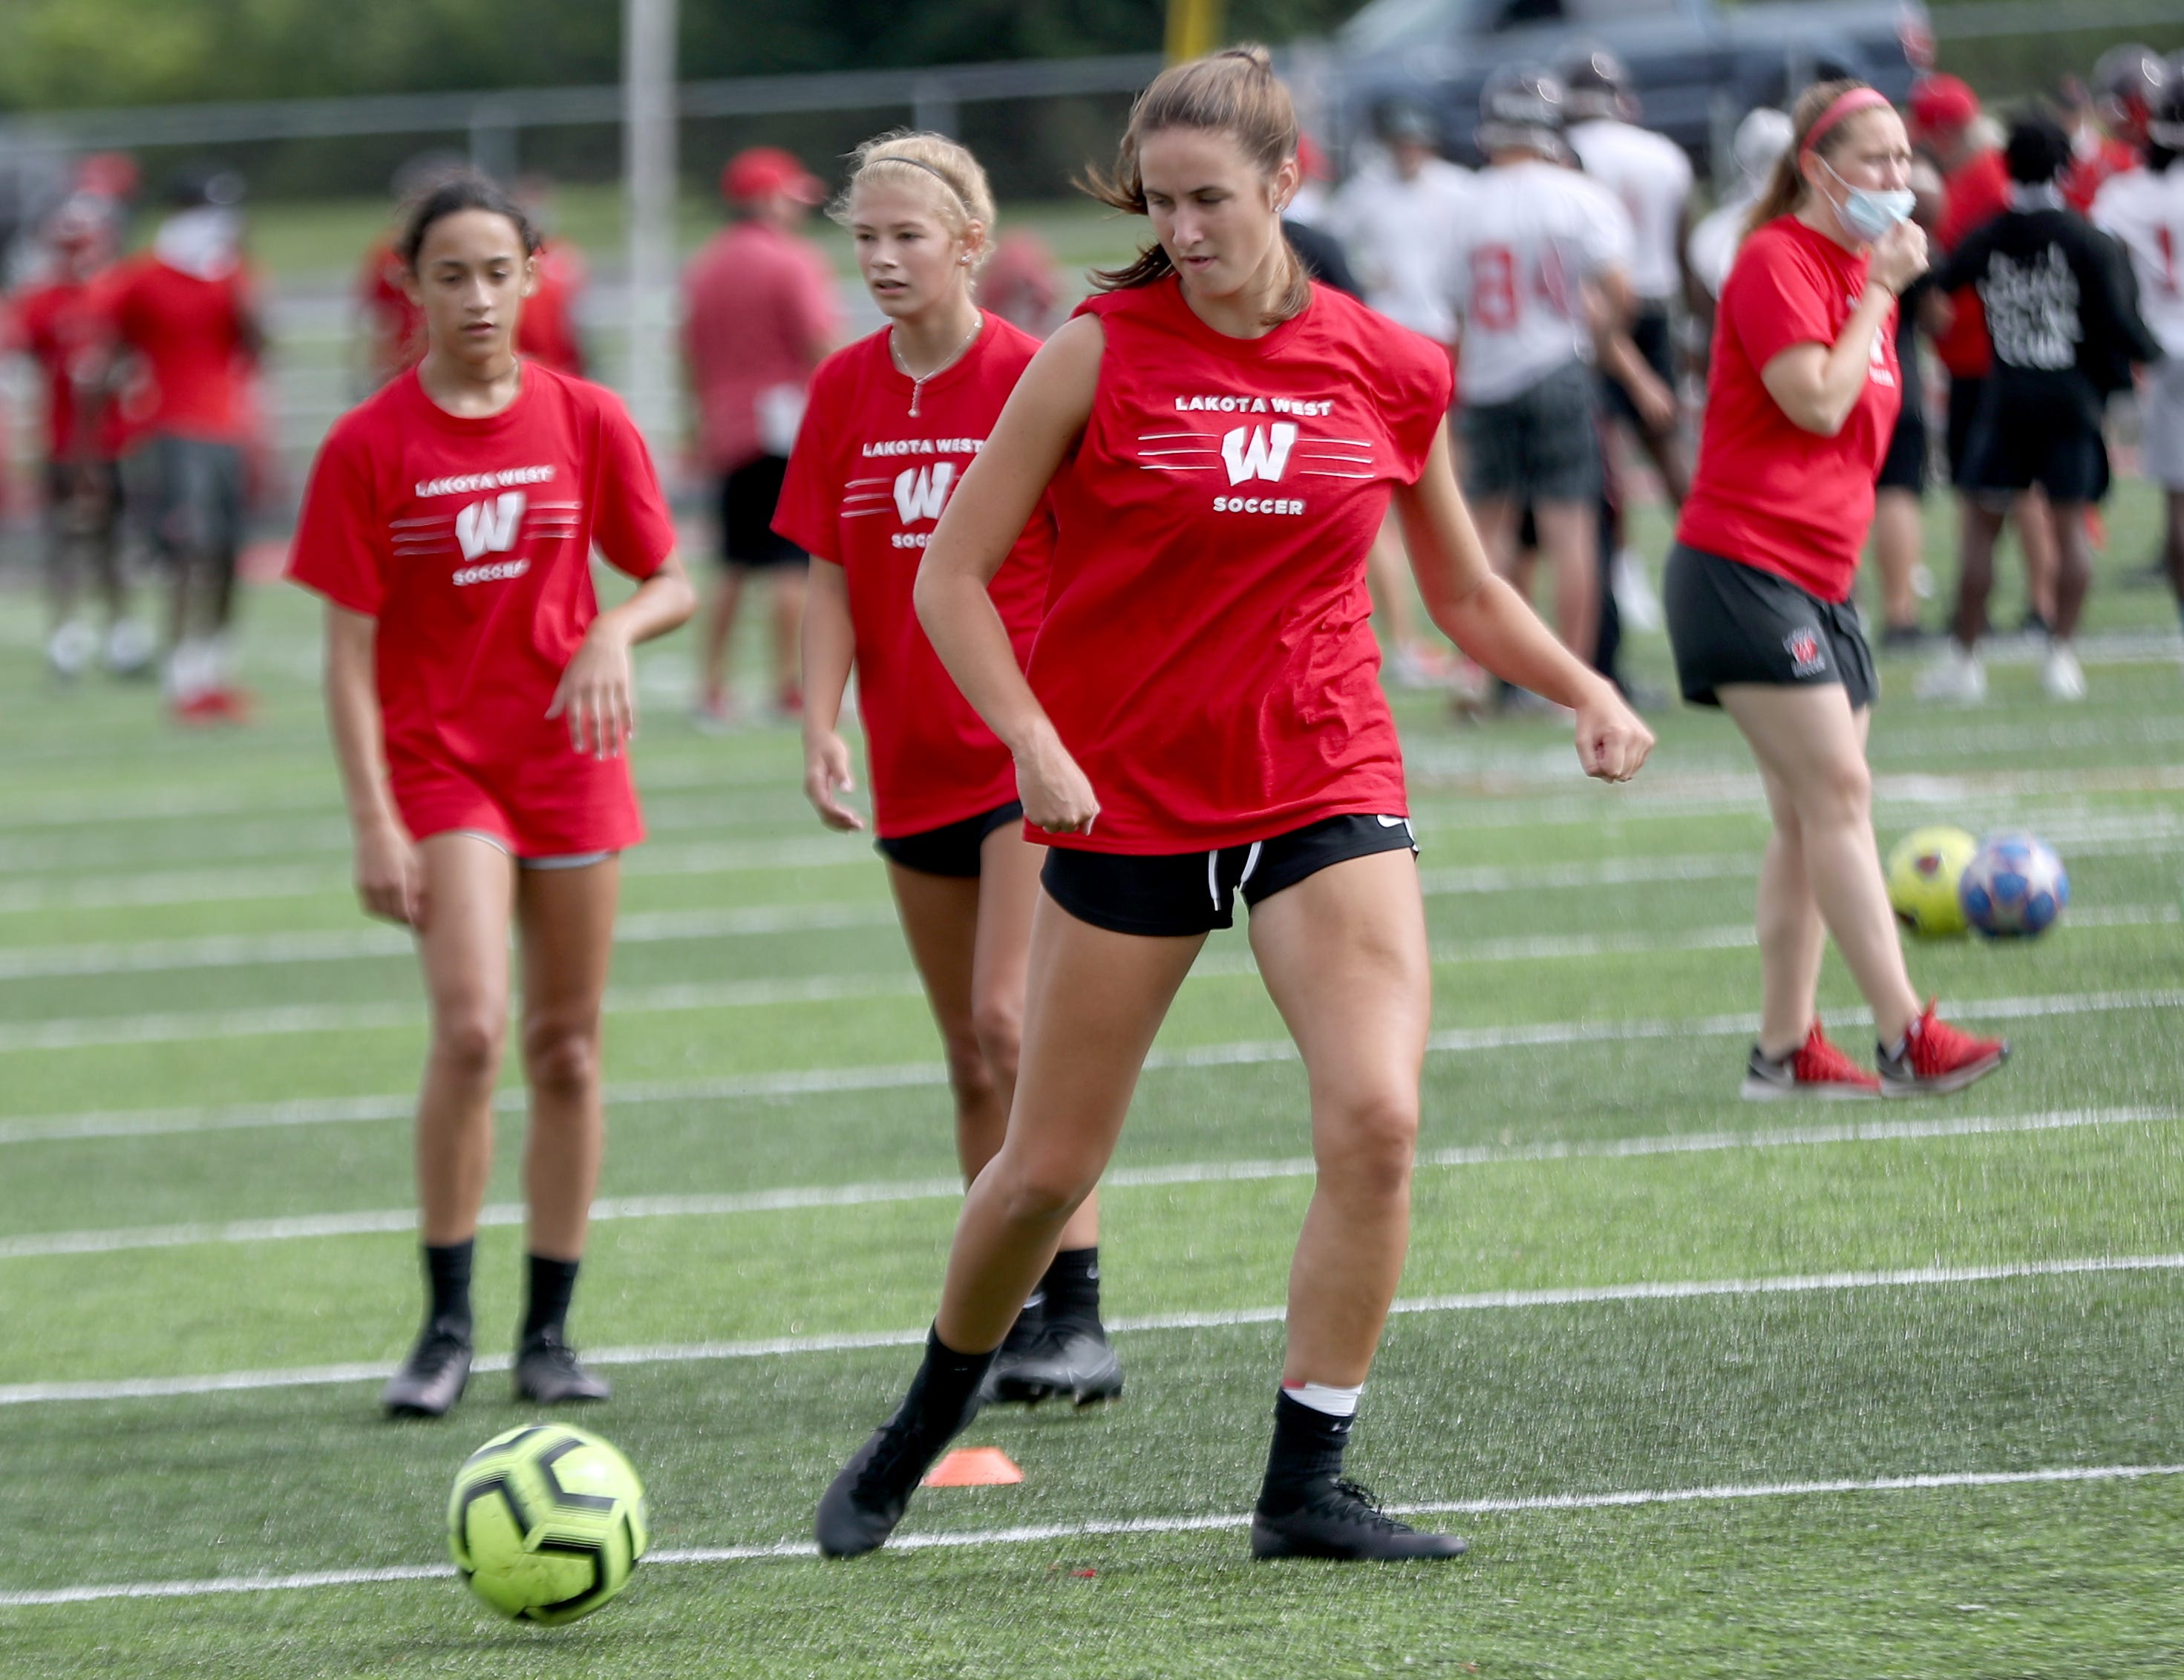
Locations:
(189, 494)
(2049, 437)
(1730, 623)
(1543, 444)
(1965, 396)
(1904, 466)
(748, 496)
(1175, 895)
(1650, 336)
(953, 849)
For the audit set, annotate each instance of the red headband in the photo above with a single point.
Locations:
(1846, 104)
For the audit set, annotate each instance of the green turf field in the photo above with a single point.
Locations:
(1715, 1390)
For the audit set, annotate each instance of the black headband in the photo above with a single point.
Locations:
(897, 158)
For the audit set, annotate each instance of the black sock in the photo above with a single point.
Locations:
(944, 1394)
(1305, 1456)
(1072, 1287)
(448, 1283)
(547, 1305)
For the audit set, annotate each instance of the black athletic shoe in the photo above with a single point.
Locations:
(1023, 1337)
(547, 1373)
(862, 1505)
(1069, 1359)
(1343, 1521)
(432, 1378)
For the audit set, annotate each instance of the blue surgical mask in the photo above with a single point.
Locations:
(1868, 213)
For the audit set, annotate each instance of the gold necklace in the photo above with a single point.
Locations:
(918, 380)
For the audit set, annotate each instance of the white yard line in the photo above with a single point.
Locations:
(913, 1076)
(779, 1347)
(725, 1204)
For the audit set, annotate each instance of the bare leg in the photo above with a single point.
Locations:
(1343, 955)
(787, 620)
(1811, 744)
(1899, 537)
(567, 918)
(1092, 1001)
(469, 884)
(2036, 531)
(2074, 569)
(1665, 449)
(1569, 537)
(1976, 571)
(719, 626)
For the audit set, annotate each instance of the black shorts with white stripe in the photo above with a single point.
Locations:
(1181, 894)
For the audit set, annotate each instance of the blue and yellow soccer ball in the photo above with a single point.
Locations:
(547, 1522)
(1923, 873)
(2015, 887)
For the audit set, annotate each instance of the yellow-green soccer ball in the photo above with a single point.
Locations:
(1923, 871)
(546, 1522)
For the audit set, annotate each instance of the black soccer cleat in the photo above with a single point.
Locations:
(547, 1373)
(862, 1505)
(434, 1375)
(1342, 1521)
(1067, 1359)
(1018, 1346)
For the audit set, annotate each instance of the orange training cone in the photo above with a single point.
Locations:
(973, 1467)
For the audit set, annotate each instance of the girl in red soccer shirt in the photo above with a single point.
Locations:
(892, 422)
(1203, 720)
(1801, 397)
(481, 702)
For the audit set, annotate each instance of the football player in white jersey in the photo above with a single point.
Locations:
(2142, 209)
(1651, 177)
(1541, 250)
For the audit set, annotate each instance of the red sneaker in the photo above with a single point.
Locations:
(231, 705)
(1816, 1069)
(1937, 1059)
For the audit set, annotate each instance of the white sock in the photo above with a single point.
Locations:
(1334, 1401)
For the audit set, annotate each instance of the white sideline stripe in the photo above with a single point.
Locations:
(1043, 1533)
(372, 1222)
(139, 889)
(80, 1032)
(1500, 1300)
(902, 1076)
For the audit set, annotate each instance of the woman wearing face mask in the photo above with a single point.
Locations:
(1801, 395)
(892, 422)
(1202, 721)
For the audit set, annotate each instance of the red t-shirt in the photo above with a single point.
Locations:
(758, 314)
(190, 334)
(469, 541)
(1974, 196)
(1208, 654)
(546, 330)
(64, 329)
(1768, 492)
(865, 483)
(395, 325)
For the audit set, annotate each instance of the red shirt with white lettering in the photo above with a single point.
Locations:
(193, 335)
(865, 483)
(1767, 492)
(469, 541)
(1206, 653)
(64, 329)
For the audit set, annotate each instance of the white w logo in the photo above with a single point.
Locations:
(921, 491)
(489, 526)
(1251, 453)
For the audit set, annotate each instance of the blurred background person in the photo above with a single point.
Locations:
(1947, 123)
(1022, 283)
(1650, 176)
(2060, 320)
(760, 312)
(185, 313)
(1304, 225)
(1761, 138)
(59, 322)
(547, 330)
(1394, 220)
(2107, 125)
(1539, 264)
(390, 327)
(1899, 540)
(2143, 210)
